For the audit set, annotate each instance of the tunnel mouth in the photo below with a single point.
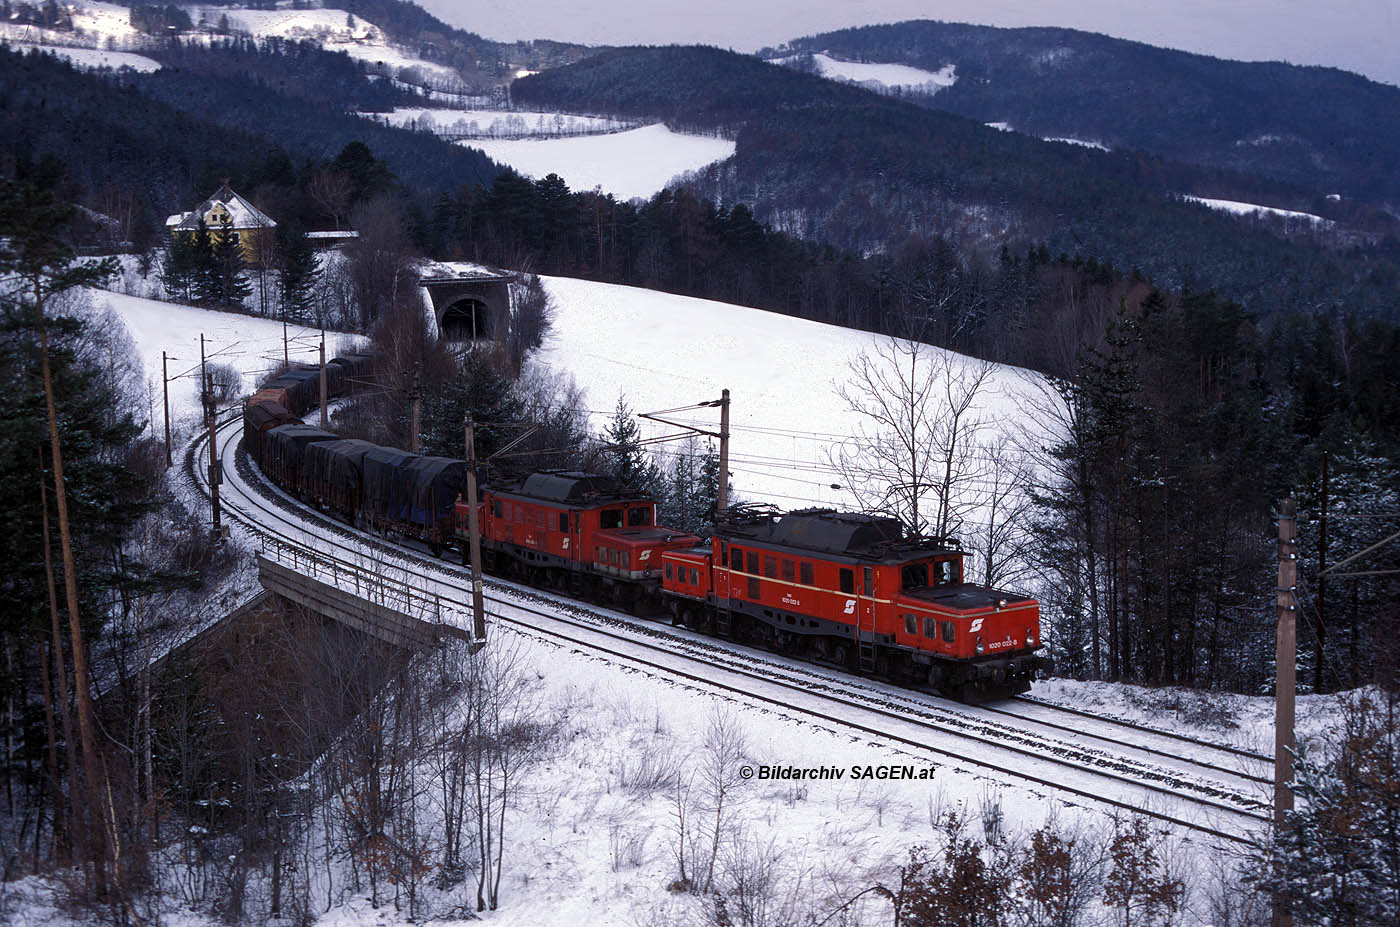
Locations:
(465, 320)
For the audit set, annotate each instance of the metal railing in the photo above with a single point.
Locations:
(377, 581)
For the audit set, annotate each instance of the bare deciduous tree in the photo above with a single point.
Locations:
(914, 455)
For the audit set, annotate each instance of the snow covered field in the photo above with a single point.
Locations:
(661, 351)
(878, 76)
(102, 58)
(1244, 209)
(638, 162)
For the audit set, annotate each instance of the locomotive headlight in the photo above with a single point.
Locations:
(981, 648)
(1030, 638)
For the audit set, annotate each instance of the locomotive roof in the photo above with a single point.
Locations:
(571, 486)
(848, 534)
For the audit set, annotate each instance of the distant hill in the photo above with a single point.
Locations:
(1320, 128)
(838, 163)
(168, 138)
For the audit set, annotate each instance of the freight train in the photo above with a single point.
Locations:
(847, 590)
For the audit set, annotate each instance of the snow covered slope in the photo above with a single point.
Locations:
(638, 162)
(661, 351)
(878, 76)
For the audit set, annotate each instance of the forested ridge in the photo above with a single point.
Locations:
(837, 163)
(1324, 129)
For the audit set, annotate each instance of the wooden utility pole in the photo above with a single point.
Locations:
(1285, 672)
(165, 389)
(95, 837)
(208, 395)
(417, 396)
(722, 494)
(286, 360)
(474, 534)
(324, 420)
(1321, 611)
(1285, 658)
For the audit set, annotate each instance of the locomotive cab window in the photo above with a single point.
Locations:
(848, 581)
(610, 518)
(736, 559)
(868, 580)
(911, 625)
(948, 632)
(668, 571)
(914, 575)
(947, 572)
(563, 522)
(931, 628)
(639, 518)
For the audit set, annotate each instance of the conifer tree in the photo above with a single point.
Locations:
(300, 270)
(229, 284)
(630, 465)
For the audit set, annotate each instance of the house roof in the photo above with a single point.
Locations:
(242, 214)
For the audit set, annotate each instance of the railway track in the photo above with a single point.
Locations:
(1204, 796)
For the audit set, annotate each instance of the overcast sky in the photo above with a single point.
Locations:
(1358, 35)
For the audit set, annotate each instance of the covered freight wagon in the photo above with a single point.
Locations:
(334, 474)
(258, 417)
(284, 452)
(424, 495)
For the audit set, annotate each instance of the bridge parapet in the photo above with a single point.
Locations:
(380, 599)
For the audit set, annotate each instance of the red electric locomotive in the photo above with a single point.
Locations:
(855, 591)
(575, 532)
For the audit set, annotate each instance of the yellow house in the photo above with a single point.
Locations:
(227, 213)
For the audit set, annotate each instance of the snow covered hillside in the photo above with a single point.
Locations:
(878, 76)
(661, 351)
(639, 162)
(107, 26)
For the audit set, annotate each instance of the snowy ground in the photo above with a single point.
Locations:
(101, 58)
(661, 351)
(882, 76)
(1245, 209)
(638, 162)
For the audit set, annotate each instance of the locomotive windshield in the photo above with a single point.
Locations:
(639, 517)
(914, 575)
(946, 572)
(610, 518)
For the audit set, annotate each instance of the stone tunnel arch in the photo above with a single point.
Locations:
(470, 306)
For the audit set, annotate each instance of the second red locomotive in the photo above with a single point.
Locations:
(854, 591)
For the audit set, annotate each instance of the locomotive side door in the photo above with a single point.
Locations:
(866, 600)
